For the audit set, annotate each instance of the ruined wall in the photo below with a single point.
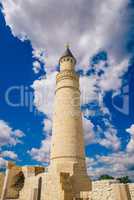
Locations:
(55, 187)
(11, 183)
(131, 189)
(2, 176)
(11, 191)
(102, 190)
(112, 190)
(31, 187)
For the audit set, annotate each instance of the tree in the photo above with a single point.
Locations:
(105, 177)
(124, 179)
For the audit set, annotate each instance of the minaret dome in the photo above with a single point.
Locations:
(67, 60)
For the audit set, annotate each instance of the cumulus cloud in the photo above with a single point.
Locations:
(41, 154)
(115, 164)
(112, 78)
(130, 146)
(44, 90)
(2, 163)
(86, 25)
(9, 154)
(110, 139)
(89, 134)
(48, 126)
(36, 67)
(8, 136)
(88, 89)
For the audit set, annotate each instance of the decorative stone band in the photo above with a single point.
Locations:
(77, 157)
(74, 88)
(66, 74)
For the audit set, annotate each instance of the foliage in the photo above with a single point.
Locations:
(105, 177)
(124, 179)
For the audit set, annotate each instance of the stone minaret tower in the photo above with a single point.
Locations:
(67, 149)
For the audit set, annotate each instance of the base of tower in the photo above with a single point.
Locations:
(67, 184)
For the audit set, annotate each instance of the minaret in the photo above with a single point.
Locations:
(67, 148)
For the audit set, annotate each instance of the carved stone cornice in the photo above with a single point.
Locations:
(67, 74)
(76, 157)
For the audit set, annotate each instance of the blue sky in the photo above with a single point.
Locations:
(16, 70)
(28, 60)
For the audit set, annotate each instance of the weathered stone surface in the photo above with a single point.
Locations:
(11, 191)
(2, 177)
(112, 190)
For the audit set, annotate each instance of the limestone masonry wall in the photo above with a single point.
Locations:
(11, 192)
(102, 190)
(111, 190)
(2, 176)
(131, 189)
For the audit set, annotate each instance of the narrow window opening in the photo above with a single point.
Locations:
(39, 188)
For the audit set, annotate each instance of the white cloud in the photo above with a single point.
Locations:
(130, 146)
(18, 133)
(48, 126)
(119, 163)
(89, 134)
(87, 25)
(2, 163)
(36, 67)
(131, 130)
(8, 136)
(115, 164)
(112, 78)
(110, 139)
(44, 91)
(43, 153)
(90, 26)
(9, 154)
(88, 89)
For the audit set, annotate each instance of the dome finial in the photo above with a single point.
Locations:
(68, 53)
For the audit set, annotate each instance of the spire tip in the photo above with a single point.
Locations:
(67, 45)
